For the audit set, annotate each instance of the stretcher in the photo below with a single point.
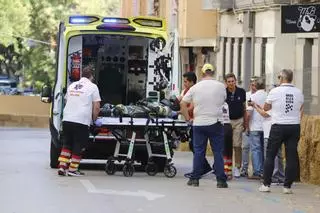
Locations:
(155, 131)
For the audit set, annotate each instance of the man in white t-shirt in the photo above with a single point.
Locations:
(207, 96)
(256, 129)
(82, 107)
(286, 102)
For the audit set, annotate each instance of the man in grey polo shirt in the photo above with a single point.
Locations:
(286, 102)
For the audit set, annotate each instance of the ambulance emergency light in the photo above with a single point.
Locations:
(116, 20)
(82, 19)
(148, 22)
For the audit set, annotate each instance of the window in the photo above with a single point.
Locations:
(224, 57)
(231, 55)
(263, 57)
(239, 59)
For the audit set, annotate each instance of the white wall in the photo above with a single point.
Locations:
(265, 23)
(230, 26)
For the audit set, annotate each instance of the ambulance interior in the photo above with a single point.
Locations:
(120, 65)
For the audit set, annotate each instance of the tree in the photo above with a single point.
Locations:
(14, 22)
(39, 20)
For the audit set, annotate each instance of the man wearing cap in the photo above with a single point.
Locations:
(208, 97)
(190, 79)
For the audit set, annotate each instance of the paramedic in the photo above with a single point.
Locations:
(207, 96)
(286, 104)
(190, 79)
(236, 99)
(82, 106)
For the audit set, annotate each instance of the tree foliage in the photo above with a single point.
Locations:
(39, 20)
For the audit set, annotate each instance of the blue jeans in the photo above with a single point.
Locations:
(215, 134)
(245, 153)
(256, 146)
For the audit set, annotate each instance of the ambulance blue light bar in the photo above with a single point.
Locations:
(148, 22)
(116, 20)
(82, 19)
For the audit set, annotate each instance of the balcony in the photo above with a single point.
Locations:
(243, 4)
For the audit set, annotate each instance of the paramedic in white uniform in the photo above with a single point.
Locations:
(82, 107)
(286, 102)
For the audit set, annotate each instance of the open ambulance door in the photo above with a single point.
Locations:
(60, 85)
(176, 64)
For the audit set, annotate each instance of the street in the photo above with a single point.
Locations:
(29, 185)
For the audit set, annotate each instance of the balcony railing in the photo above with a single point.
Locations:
(241, 4)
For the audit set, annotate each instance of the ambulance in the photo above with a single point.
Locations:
(132, 59)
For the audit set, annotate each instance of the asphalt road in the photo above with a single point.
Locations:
(28, 185)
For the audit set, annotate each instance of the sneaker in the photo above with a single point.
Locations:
(62, 172)
(287, 190)
(264, 188)
(222, 184)
(206, 172)
(75, 173)
(193, 182)
(244, 174)
(188, 175)
(236, 172)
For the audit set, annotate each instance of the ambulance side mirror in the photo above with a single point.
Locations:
(46, 94)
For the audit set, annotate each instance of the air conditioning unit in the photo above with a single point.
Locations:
(217, 4)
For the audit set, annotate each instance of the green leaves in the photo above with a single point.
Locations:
(39, 20)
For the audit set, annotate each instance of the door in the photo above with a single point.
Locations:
(59, 87)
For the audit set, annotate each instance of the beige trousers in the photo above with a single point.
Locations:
(237, 128)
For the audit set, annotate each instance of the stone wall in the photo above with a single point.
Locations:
(23, 111)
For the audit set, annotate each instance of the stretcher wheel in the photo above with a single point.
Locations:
(170, 171)
(151, 169)
(128, 170)
(110, 167)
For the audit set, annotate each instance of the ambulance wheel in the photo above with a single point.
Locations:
(128, 170)
(54, 155)
(110, 167)
(151, 169)
(170, 171)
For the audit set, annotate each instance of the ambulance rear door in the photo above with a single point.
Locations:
(59, 87)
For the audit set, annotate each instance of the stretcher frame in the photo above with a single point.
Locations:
(159, 125)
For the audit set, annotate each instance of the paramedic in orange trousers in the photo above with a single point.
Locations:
(190, 79)
(82, 107)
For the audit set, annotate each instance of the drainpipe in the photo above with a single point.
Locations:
(253, 32)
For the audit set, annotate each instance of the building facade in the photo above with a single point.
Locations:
(196, 28)
(251, 44)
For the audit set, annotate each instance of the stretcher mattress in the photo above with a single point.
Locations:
(126, 121)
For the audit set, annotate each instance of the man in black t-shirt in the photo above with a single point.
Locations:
(236, 99)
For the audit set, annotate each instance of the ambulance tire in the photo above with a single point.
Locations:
(54, 155)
